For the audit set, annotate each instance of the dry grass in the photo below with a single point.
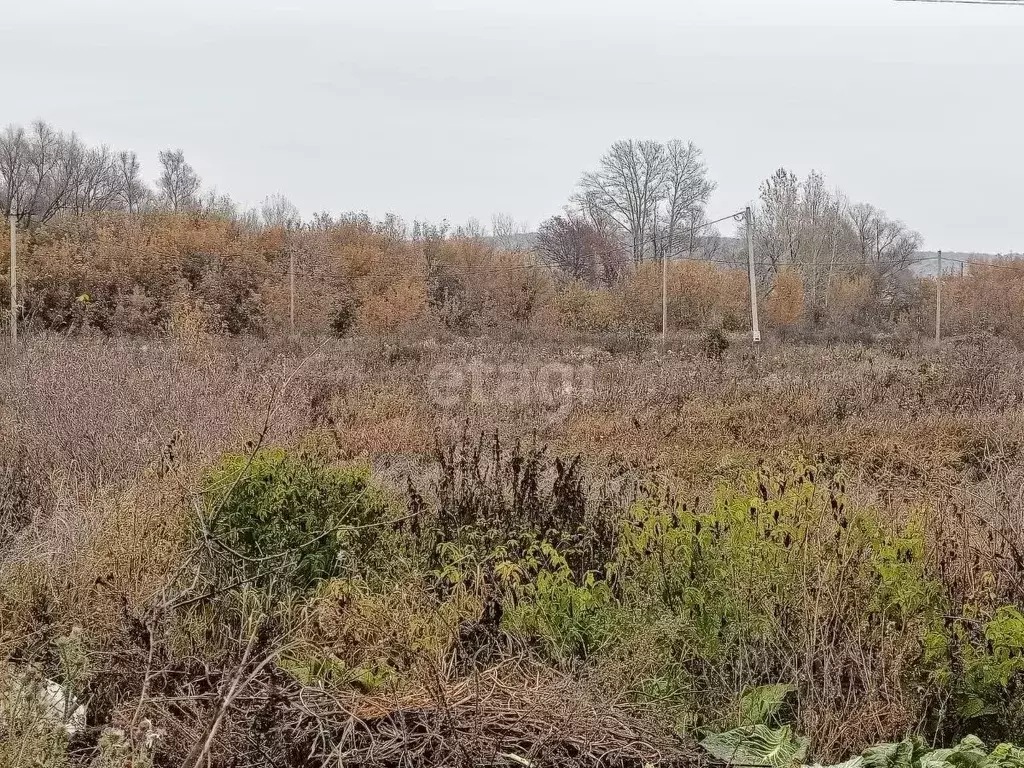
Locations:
(103, 444)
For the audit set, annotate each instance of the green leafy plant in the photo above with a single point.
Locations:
(277, 522)
(760, 705)
(979, 662)
(757, 745)
(761, 746)
(567, 614)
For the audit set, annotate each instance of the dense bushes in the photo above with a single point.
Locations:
(119, 274)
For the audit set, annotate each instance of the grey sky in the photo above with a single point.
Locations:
(456, 108)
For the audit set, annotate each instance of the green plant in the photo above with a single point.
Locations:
(283, 523)
(762, 705)
(569, 615)
(777, 579)
(980, 662)
(757, 745)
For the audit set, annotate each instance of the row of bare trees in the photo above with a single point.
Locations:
(805, 227)
(647, 200)
(45, 172)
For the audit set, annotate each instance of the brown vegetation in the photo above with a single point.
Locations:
(103, 484)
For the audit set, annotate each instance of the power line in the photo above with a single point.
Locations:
(967, 2)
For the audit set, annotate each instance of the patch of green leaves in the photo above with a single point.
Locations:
(284, 524)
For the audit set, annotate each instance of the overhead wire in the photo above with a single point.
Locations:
(966, 2)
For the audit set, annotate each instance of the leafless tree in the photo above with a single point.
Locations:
(44, 172)
(278, 211)
(98, 182)
(888, 246)
(563, 241)
(132, 190)
(509, 234)
(216, 204)
(14, 168)
(52, 174)
(626, 188)
(178, 183)
(580, 249)
(777, 233)
(687, 190)
(393, 227)
(323, 221)
(472, 229)
(805, 226)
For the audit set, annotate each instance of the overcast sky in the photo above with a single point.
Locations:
(456, 108)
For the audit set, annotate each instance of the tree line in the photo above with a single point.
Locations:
(90, 225)
(647, 200)
(46, 173)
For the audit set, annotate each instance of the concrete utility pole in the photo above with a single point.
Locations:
(291, 286)
(664, 282)
(14, 280)
(938, 303)
(748, 217)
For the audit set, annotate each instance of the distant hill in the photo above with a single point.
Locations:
(952, 260)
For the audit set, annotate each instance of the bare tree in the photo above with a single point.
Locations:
(885, 248)
(777, 232)
(99, 183)
(44, 172)
(393, 227)
(626, 188)
(14, 168)
(54, 164)
(805, 226)
(472, 229)
(563, 241)
(509, 234)
(687, 190)
(178, 182)
(278, 211)
(132, 190)
(580, 250)
(216, 204)
(885, 244)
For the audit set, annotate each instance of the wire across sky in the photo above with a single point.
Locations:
(967, 2)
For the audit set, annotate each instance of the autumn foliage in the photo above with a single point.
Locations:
(122, 274)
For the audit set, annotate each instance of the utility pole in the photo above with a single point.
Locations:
(14, 281)
(748, 217)
(938, 303)
(664, 282)
(291, 286)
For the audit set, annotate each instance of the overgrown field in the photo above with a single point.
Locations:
(241, 553)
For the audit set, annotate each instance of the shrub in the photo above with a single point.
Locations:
(345, 314)
(785, 305)
(715, 344)
(279, 522)
(779, 580)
